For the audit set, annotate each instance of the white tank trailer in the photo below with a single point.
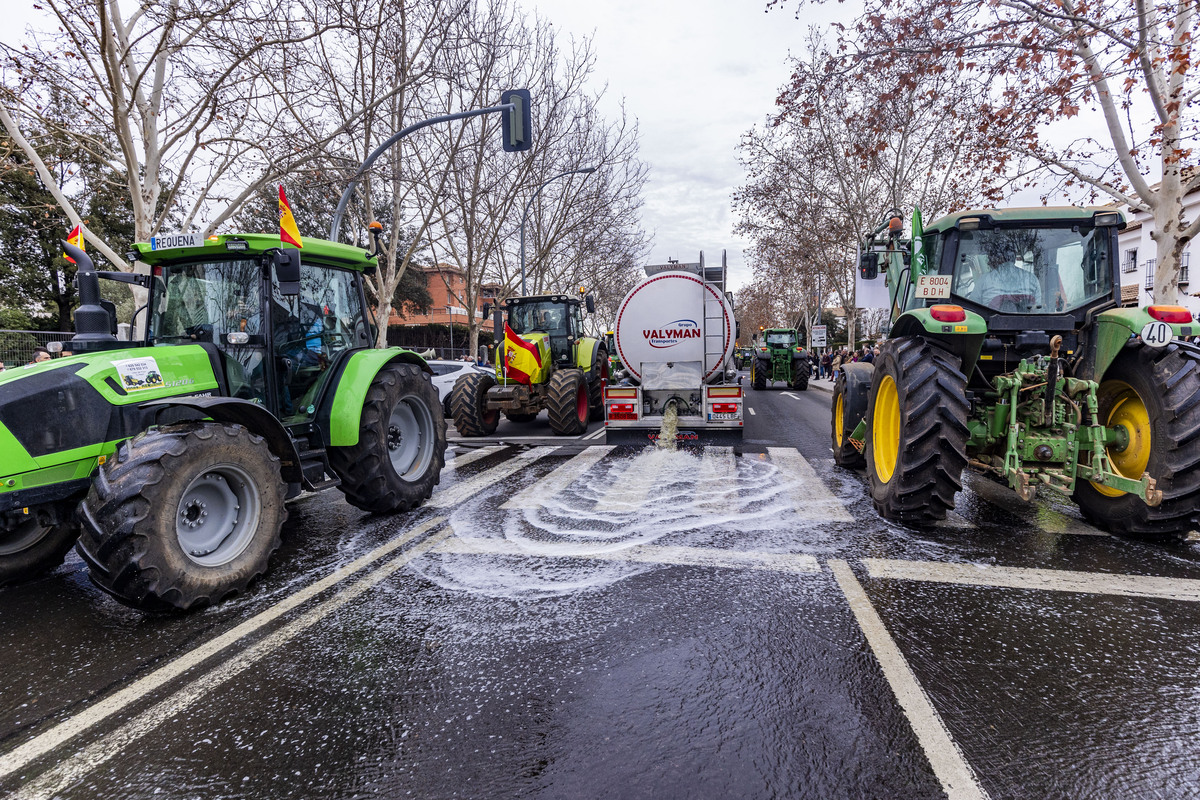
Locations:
(675, 334)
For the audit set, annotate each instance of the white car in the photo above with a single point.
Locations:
(445, 373)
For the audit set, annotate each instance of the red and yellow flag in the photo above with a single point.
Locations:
(75, 237)
(521, 358)
(288, 231)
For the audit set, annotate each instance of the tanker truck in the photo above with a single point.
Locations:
(674, 334)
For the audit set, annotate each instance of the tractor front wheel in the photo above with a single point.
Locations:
(567, 402)
(183, 516)
(401, 443)
(916, 444)
(758, 375)
(468, 403)
(1154, 395)
(849, 407)
(32, 546)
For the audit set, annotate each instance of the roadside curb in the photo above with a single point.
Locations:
(824, 386)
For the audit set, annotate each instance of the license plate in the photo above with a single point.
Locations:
(727, 415)
(174, 240)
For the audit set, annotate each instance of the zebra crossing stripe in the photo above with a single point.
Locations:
(473, 456)
(458, 492)
(811, 498)
(558, 480)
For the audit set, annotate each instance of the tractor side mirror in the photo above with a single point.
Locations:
(737, 329)
(868, 266)
(487, 310)
(589, 303)
(286, 262)
(483, 354)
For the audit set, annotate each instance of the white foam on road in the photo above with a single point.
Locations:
(1187, 589)
(534, 495)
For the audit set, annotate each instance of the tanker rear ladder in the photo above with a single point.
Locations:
(716, 277)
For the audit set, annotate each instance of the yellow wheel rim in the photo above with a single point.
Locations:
(837, 420)
(885, 429)
(1128, 412)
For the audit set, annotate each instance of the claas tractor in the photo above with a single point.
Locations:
(1009, 352)
(543, 361)
(168, 460)
(779, 357)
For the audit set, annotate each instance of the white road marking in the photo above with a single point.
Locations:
(474, 455)
(595, 434)
(789, 394)
(42, 744)
(957, 778)
(644, 554)
(751, 410)
(1187, 589)
(558, 480)
(810, 497)
(67, 772)
(453, 495)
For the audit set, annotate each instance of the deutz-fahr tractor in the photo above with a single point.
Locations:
(169, 459)
(1009, 352)
(779, 357)
(567, 374)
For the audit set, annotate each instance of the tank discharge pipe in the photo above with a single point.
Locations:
(670, 425)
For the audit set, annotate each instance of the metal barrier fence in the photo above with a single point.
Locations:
(16, 347)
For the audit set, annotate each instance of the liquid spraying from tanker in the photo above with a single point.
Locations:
(669, 428)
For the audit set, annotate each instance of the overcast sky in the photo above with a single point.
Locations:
(696, 74)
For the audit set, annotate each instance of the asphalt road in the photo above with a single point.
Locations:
(565, 619)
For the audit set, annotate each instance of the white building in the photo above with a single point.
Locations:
(1139, 258)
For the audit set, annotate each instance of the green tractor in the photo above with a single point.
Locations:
(562, 370)
(168, 460)
(779, 357)
(1009, 352)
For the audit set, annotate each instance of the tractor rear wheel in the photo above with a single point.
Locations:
(849, 407)
(916, 444)
(596, 387)
(401, 443)
(183, 516)
(468, 403)
(567, 402)
(1155, 396)
(758, 375)
(31, 547)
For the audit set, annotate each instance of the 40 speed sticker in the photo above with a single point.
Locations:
(1157, 334)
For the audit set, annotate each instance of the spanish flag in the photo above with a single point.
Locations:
(521, 358)
(288, 231)
(75, 237)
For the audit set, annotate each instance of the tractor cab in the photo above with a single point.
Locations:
(275, 326)
(558, 316)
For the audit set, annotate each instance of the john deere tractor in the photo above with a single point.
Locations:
(779, 357)
(169, 458)
(566, 373)
(1009, 352)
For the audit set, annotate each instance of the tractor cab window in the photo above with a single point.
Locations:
(785, 339)
(310, 331)
(1033, 270)
(216, 303)
(549, 318)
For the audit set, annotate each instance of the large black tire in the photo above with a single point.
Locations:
(758, 375)
(849, 406)
(468, 404)
(183, 516)
(801, 372)
(567, 402)
(1155, 395)
(596, 384)
(916, 444)
(401, 443)
(33, 548)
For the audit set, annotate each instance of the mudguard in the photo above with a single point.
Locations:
(854, 399)
(345, 410)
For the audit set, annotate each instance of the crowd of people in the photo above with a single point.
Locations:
(829, 363)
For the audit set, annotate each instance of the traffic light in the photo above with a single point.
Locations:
(517, 125)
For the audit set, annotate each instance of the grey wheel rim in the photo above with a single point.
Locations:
(218, 515)
(25, 536)
(410, 438)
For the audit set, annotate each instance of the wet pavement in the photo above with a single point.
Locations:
(565, 619)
